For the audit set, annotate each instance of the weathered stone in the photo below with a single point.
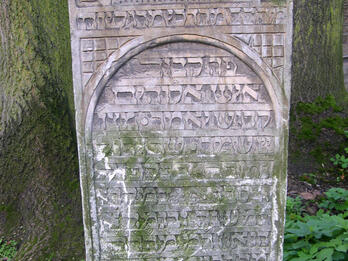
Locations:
(182, 121)
(345, 43)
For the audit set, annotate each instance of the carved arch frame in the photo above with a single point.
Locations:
(116, 60)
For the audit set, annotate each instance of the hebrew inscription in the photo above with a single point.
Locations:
(182, 117)
(85, 3)
(140, 19)
(178, 133)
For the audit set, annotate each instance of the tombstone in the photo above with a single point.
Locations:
(182, 124)
(345, 43)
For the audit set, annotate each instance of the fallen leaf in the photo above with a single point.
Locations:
(308, 195)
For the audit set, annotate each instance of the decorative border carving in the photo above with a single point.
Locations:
(98, 82)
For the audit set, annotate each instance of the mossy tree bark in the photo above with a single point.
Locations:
(317, 73)
(39, 189)
(317, 50)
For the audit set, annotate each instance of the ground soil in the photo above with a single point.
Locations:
(313, 188)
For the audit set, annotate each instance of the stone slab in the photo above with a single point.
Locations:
(182, 125)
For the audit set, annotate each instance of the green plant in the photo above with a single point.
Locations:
(294, 207)
(342, 161)
(318, 116)
(311, 178)
(321, 237)
(318, 132)
(336, 199)
(8, 249)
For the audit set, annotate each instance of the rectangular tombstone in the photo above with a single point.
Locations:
(182, 124)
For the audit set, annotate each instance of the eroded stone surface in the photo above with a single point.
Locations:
(182, 127)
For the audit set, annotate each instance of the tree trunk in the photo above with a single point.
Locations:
(317, 50)
(317, 73)
(40, 203)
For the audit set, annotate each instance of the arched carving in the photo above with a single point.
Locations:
(174, 146)
(182, 100)
(132, 48)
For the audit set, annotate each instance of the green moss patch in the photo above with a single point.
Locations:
(39, 182)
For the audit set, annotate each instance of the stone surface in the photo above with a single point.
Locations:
(182, 121)
(345, 44)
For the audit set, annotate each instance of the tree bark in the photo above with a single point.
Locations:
(317, 51)
(40, 203)
(317, 72)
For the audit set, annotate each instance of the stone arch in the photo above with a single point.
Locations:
(107, 70)
(236, 47)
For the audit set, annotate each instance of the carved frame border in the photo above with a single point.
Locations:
(96, 84)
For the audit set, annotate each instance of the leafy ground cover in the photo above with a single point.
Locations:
(319, 237)
(8, 249)
(317, 206)
(318, 145)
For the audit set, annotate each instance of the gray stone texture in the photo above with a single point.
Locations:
(182, 123)
(345, 44)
